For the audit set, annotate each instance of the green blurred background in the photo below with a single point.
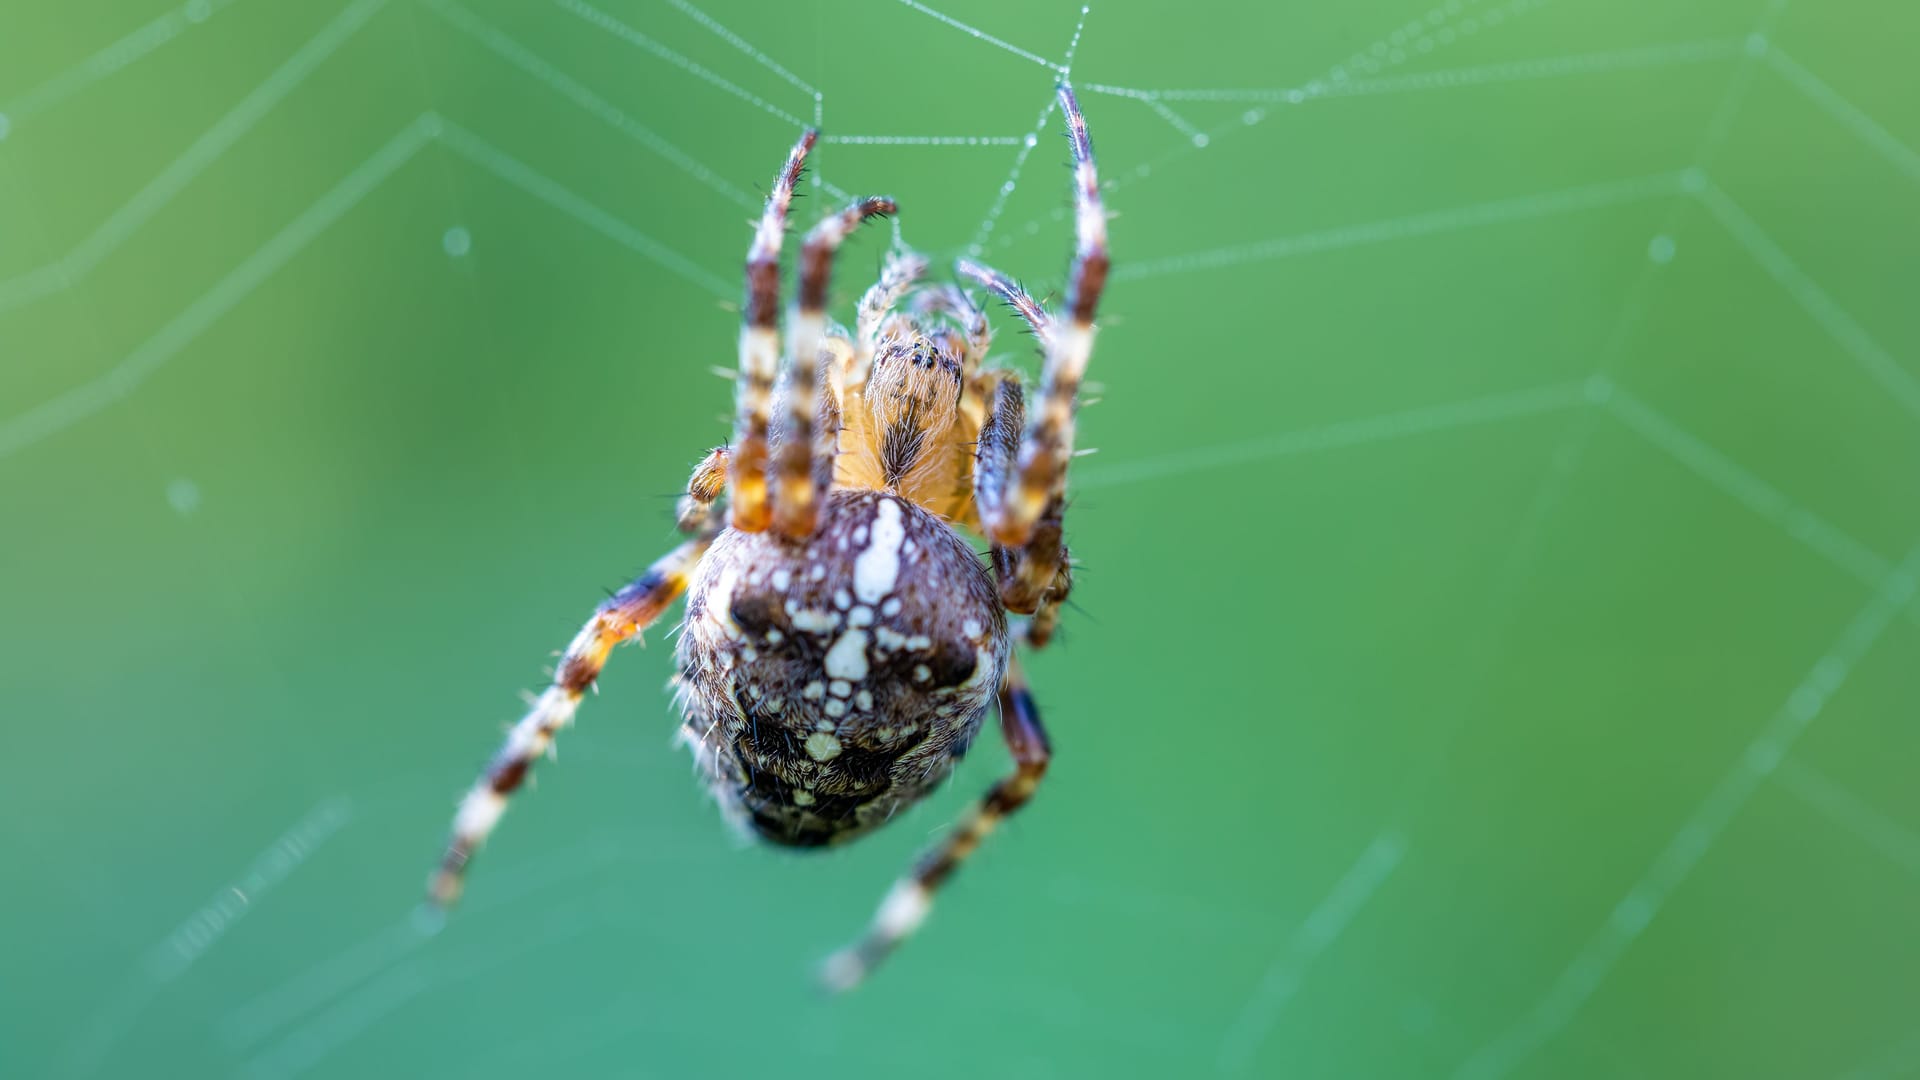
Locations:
(1497, 652)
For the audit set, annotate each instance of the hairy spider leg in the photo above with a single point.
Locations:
(994, 456)
(1046, 448)
(799, 481)
(624, 615)
(1046, 615)
(1022, 569)
(694, 512)
(897, 275)
(760, 348)
(907, 903)
(1036, 576)
(1010, 291)
(1021, 494)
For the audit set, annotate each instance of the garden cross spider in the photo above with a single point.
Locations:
(842, 639)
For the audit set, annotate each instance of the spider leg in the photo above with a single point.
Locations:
(979, 333)
(1039, 484)
(907, 903)
(694, 512)
(836, 362)
(902, 269)
(760, 348)
(827, 421)
(1020, 482)
(1035, 573)
(996, 452)
(1009, 290)
(1046, 616)
(997, 456)
(796, 488)
(1034, 577)
(1047, 446)
(621, 617)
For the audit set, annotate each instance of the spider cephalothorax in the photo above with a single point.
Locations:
(843, 641)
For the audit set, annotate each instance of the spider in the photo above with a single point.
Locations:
(843, 641)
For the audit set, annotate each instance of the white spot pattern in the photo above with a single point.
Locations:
(848, 657)
(877, 568)
(818, 622)
(823, 746)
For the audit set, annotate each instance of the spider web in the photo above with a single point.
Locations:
(1172, 146)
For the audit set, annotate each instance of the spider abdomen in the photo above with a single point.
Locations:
(829, 682)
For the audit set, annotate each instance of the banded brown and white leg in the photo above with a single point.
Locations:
(995, 474)
(1033, 576)
(1035, 572)
(797, 490)
(828, 421)
(837, 360)
(994, 457)
(760, 349)
(1046, 448)
(898, 274)
(1046, 613)
(1010, 291)
(907, 903)
(621, 617)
